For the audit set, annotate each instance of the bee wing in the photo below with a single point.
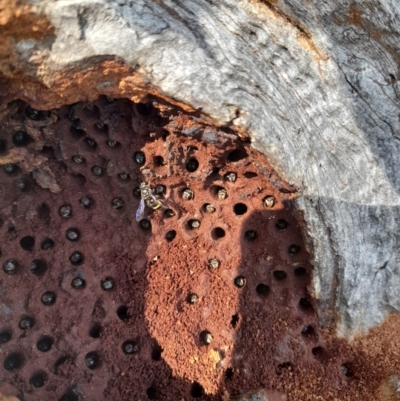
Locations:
(140, 211)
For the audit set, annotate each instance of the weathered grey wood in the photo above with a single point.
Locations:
(316, 86)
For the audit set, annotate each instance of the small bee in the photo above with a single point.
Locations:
(147, 198)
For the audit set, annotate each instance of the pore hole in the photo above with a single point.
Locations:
(122, 312)
(156, 352)
(229, 373)
(319, 353)
(300, 272)
(196, 390)
(95, 330)
(279, 275)
(240, 209)
(236, 155)
(235, 320)
(262, 290)
(309, 333)
(143, 109)
(27, 243)
(218, 233)
(47, 244)
(250, 174)
(151, 393)
(305, 305)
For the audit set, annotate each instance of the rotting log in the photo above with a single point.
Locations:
(313, 85)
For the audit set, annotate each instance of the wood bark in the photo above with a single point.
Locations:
(314, 84)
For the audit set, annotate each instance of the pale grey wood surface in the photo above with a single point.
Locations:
(316, 86)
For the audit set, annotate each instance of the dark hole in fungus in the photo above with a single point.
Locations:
(156, 352)
(35, 115)
(78, 283)
(79, 178)
(262, 290)
(170, 235)
(196, 390)
(3, 146)
(100, 127)
(192, 165)
(10, 168)
(145, 225)
(250, 174)
(76, 258)
(281, 224)
(72, 234)
(139, 157)
(137, 193)
(70, 395)
(151, 393)
(27, 243)
(23, 185)
(293, 249)
(347, 369)
(92, 360)
(65, 211)
(45, 344)
(111, 143)
(158, 161)
(26, 323)
(206, 337)
(117, 204)
(76, 133)
(13, 361)
(124, 176)
(309, 333)
(283, 366)
(122, 312)
(95, 330)
(235, 320)
(218, 233)
(160, 189)
(21, 139)
(240, 281)
(91, 110)
(192, 298)
(236, 155)
(48, 298)
(86, 201)
(47, 244)
(193, 224)
(143, 109)
(38, 267)
(5, 336)
(229, 373)
(97, 171)
(130, 347)
(300, 271)
(279, 275)
(305, 305)
(10, 266)
(250, 235)
(43, 211)
(38, 379)
(319, 353)
(90, 143)
(168, 213)
(107, 284)
(240, 209)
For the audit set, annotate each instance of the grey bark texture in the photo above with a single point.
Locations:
(315, 84)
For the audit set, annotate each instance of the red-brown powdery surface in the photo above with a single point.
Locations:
(263, 334)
